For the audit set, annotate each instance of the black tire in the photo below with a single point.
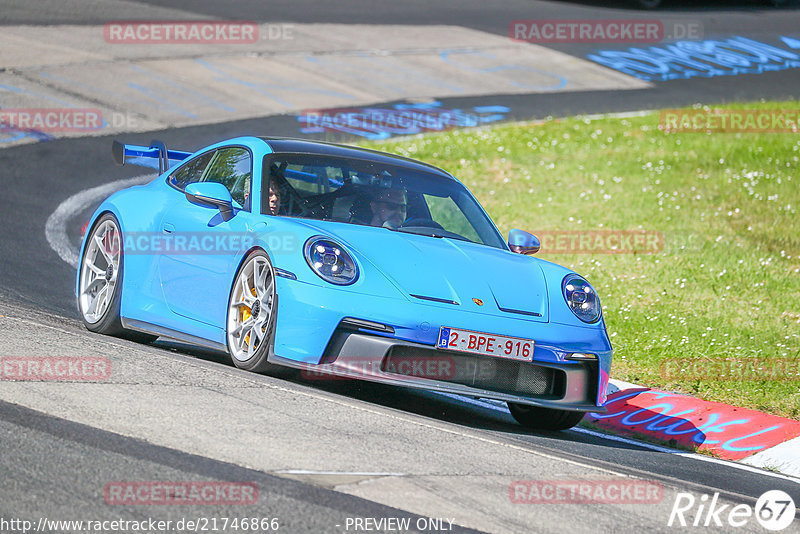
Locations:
(108, 322)
(538, 418)
(648, 4)
(257, 363)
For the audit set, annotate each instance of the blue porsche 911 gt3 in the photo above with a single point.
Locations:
(342, 261)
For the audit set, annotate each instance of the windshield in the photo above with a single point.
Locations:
(364, 192)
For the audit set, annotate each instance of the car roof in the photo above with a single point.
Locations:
(306, 146)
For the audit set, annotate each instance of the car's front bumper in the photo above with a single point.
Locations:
(358, 354)
(314, 333)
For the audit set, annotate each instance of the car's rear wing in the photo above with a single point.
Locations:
(156, 156)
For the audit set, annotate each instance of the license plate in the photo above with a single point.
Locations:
(513, 348)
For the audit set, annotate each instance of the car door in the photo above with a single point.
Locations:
(197, 269)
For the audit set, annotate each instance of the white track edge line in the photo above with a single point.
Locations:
(55, 229)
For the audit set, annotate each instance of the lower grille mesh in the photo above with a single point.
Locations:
(493, 374)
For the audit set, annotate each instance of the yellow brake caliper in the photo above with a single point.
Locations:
(246, 314)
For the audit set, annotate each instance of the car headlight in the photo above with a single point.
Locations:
(330, 261)
(581, 298)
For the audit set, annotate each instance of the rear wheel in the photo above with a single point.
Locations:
(251, 314)
(648, 4)
(538, 418)
(100, 281)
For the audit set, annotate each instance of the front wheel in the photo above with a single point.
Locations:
(537, 418)
(251, 314)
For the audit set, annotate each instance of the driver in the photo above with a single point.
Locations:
(389, 208)
(274, 198)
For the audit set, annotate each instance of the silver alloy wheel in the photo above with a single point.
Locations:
(99, 270)
(251, 308)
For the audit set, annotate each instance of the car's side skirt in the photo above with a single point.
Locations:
(163, 331)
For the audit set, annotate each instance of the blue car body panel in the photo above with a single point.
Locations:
(521, 296)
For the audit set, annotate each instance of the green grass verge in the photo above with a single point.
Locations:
(725, 289)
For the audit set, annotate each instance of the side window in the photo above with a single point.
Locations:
(232, 168)
(190, 171)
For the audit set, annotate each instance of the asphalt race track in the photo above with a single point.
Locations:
(321, 454)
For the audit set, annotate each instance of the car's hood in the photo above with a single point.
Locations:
(440, 270)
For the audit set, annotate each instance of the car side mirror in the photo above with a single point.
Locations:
(523, 242)
(212, 195)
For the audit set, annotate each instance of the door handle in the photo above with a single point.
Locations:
(168, 228)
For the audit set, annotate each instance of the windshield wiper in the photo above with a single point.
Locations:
(431, 232)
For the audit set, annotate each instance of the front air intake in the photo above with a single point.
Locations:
(494, 374)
